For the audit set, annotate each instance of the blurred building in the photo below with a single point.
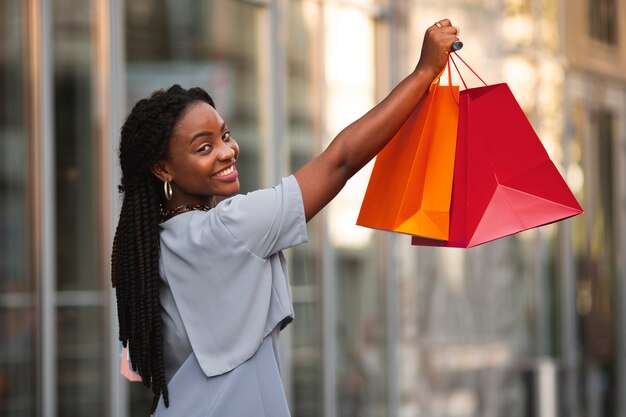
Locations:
(530, 325)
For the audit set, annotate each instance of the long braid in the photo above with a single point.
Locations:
(144, 322)
(145, 139)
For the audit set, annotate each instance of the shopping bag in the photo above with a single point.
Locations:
(504, 181)
(410, 187)
(126, 370)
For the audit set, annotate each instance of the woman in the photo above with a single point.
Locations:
(202, 289)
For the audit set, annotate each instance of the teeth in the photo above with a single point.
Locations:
(227, 171)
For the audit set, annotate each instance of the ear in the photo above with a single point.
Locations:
(161, 171)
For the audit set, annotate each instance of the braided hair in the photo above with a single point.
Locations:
(144, 141)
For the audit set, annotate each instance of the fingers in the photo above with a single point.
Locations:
(439, 40)
(443, 22)
(445, 26)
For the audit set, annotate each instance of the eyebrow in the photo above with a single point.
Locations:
(206, 133)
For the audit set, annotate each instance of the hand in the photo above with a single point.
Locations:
(437, 45)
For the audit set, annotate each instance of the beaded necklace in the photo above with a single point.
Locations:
(168, 214)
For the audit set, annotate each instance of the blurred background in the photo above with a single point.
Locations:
(529, 325)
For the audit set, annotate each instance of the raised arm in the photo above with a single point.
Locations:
(323, 177)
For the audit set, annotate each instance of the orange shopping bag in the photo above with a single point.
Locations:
(410, 187)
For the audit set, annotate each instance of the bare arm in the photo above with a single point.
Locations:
(323, 177)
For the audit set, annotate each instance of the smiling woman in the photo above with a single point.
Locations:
(203, 291)
(201, 157)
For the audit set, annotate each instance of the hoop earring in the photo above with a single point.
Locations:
(167, 189)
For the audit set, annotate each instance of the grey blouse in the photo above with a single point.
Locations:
(225, 287)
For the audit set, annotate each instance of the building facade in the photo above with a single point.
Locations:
(530, 325)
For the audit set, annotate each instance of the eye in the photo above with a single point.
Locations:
(204, 148)
(226, 136)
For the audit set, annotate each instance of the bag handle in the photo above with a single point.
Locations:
(438, 78)
(459, 72)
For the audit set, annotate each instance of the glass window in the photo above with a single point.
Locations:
(213, 45)
(80, 361)
(18, 321)
(597, 268)
(74, 147)
(304, 136)
(79, 297)
(361, 348)
(350, 73)
(602, 15)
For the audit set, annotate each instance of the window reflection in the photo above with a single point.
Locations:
(602, 17)
(17, 362)
(17, 300)
(470, 329)
(80, 365)
(198, 44)
(361, 338)
(304, 142)
(80, 315)
(598, 273)
(350, 71)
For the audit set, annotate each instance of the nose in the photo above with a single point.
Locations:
(227, 151)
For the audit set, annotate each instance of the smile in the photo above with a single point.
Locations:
(226, 171)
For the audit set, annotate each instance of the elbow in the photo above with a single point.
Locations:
(349, 162)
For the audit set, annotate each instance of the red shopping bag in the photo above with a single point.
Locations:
(504, 181)
(410, 187)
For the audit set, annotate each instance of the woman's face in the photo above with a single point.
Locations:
(202, 157)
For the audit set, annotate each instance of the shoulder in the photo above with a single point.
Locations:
(263, 221)
(262, 207)
(251, 203)
(266, 220)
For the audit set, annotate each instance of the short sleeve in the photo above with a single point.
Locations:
(268, 220)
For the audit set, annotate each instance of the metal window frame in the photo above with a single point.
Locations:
(41, 152)
(109, 99)
(567, 280)
(108, 47)
(389, 22)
